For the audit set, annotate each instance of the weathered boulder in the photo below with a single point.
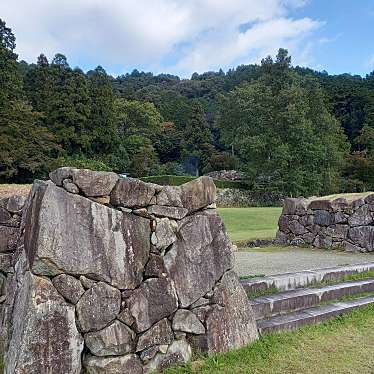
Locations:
(155, 266)
(44, 336)
(91, 183)
(154, 300)
(323, 217)
(168, 211)
(126, 317)
(179, 352)
(69, 287)
(132, 193)
(6, 262)
(158, 334)
(170, 196)
(164, 234)
(231, 323)
(115, 340)
(98, 306)
(113, 365)
(363, 236)
(5, 216)
(88, 238)
(294, 205)
(70, 186)
(321, 204)
(198, 259)
(8, 238)
(297, 228)
(186, 321)
(16, 203)
(87, 282)
(362, 216)
(198, 193)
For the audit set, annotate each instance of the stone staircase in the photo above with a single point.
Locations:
(293, 304)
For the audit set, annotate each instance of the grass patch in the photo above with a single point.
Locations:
(245, 224)
(342, 345)
(265, 292)
(246, 277)
(346, 278)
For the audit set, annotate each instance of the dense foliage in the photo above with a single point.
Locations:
(290, 129)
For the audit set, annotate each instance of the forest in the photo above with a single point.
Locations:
(290, 129)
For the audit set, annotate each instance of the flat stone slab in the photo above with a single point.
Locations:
(291, 281)
(309, 316)
(290, 301)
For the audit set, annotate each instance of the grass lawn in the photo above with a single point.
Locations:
(245, 224)
(343, 345)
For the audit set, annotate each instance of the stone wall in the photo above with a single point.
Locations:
(10, 221)
(121, 276)
(236, 198)
(331, 224)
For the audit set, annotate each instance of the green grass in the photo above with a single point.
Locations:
(342, 345)
(245, 224)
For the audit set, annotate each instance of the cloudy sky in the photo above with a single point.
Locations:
(184, 36)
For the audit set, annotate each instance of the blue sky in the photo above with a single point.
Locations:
(184, 36)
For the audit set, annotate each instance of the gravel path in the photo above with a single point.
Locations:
(269, 261)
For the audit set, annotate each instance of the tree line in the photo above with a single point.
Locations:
(290, 129)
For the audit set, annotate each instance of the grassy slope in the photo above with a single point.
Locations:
(343, 345)
(250, 223)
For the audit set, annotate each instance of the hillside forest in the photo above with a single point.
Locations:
(290, 129)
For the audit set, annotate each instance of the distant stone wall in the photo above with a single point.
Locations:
(236, 198)
(331, 224)
(10, 221)
(121, 276)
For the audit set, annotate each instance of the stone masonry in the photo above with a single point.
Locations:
(10, 221)
(330, 224)
(118, 276)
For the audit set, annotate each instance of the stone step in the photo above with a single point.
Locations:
(299, 299)
(291, 281)
(309, 316)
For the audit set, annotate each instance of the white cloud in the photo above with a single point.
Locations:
(161, 35)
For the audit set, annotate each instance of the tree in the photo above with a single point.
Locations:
(103, 127)
(197, 137)
(283, 132)
(26, 148)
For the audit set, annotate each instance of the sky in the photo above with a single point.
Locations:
(186, 36)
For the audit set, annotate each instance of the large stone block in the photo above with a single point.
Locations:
(70, 233)
(115, 340)
(130, 364)
(323, 218)
(98, 306)
(198, 193)
(44, 336)
(231, 323)
(132, 193)
(154, 300)
(362, 216)
(8, 238)
(198, 259)
(159, 334)
(363, 236)
(91, 183)
(294, 206)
